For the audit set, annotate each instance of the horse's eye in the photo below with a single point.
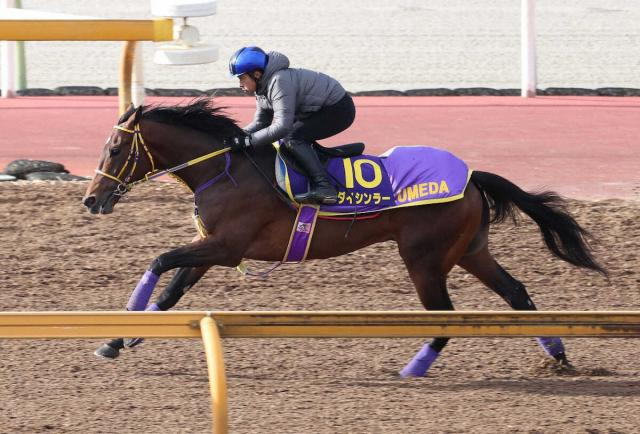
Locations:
(114, 151)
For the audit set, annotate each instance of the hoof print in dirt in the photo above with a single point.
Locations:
(20, 168)
(551, 367)
(53, 176)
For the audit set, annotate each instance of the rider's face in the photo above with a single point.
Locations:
(248, 82)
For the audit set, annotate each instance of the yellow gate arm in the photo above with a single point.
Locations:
(32, 25)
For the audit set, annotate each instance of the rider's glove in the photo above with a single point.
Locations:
(237, 143)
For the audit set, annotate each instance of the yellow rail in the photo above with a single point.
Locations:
(320, 324)
(211, 326)
(159, 29)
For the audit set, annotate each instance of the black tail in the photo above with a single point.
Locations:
(564, 237)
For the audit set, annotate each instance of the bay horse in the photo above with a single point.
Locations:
(242, 217)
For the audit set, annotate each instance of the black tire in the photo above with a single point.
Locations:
(20, 168)
(53, 176)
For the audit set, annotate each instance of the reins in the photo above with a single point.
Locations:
(125, 186)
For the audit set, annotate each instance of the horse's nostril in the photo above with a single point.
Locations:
(89, 201)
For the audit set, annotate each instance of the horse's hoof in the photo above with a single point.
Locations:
(106, 351)
(561, 358)
(132, 342)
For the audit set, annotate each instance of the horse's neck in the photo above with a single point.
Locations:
(172, 147)
(176, 147)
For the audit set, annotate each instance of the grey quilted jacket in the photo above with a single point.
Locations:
(286, 95)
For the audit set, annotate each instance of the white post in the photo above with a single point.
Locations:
(8, 61)
(528, 47)
(137, 79)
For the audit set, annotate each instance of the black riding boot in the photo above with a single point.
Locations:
(320, 189)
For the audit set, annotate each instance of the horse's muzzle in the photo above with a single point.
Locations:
(96, 207)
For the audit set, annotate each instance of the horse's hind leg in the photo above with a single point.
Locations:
(181, 282)
(482, 265)
(429, 253)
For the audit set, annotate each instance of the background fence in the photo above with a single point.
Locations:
(375, 44)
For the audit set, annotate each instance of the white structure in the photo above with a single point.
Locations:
(7, 61)
(7, 67)
(528, 43)
(186, 49)
(137, 78)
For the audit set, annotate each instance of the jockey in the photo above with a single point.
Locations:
(296, 105)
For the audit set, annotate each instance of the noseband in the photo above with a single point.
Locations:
(124, 185)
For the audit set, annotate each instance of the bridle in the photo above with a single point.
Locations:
(134, 155)
(124, 185)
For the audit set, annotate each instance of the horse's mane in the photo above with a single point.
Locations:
(200, 114)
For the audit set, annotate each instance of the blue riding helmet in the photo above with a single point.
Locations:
(247, 59)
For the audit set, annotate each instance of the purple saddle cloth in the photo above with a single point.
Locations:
(402, 176)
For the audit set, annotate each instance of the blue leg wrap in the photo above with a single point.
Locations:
(420, 363)
(142, 293)
(551, 346)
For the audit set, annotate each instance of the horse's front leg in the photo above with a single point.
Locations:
(181, 282)
(187, 276)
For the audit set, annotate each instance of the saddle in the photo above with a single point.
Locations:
(342, 151)
(324, 153)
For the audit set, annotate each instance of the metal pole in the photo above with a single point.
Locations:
(137, 77)
(126, 67)
(217, 378)
(8, 72)
(21, 64)
(528, 49)
(7, 65)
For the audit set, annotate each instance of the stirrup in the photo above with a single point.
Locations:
(314, 197)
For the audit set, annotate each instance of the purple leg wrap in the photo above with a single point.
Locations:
(143, 291)
(152, 308)
(551, 346)
(421, 362)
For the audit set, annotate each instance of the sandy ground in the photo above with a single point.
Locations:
(372, 44)
(56, 256)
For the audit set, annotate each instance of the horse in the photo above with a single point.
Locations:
(243, 215)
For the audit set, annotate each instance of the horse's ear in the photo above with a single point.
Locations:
(127, 114)
(138, 114)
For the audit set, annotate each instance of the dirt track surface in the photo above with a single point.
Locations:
(56, 256)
